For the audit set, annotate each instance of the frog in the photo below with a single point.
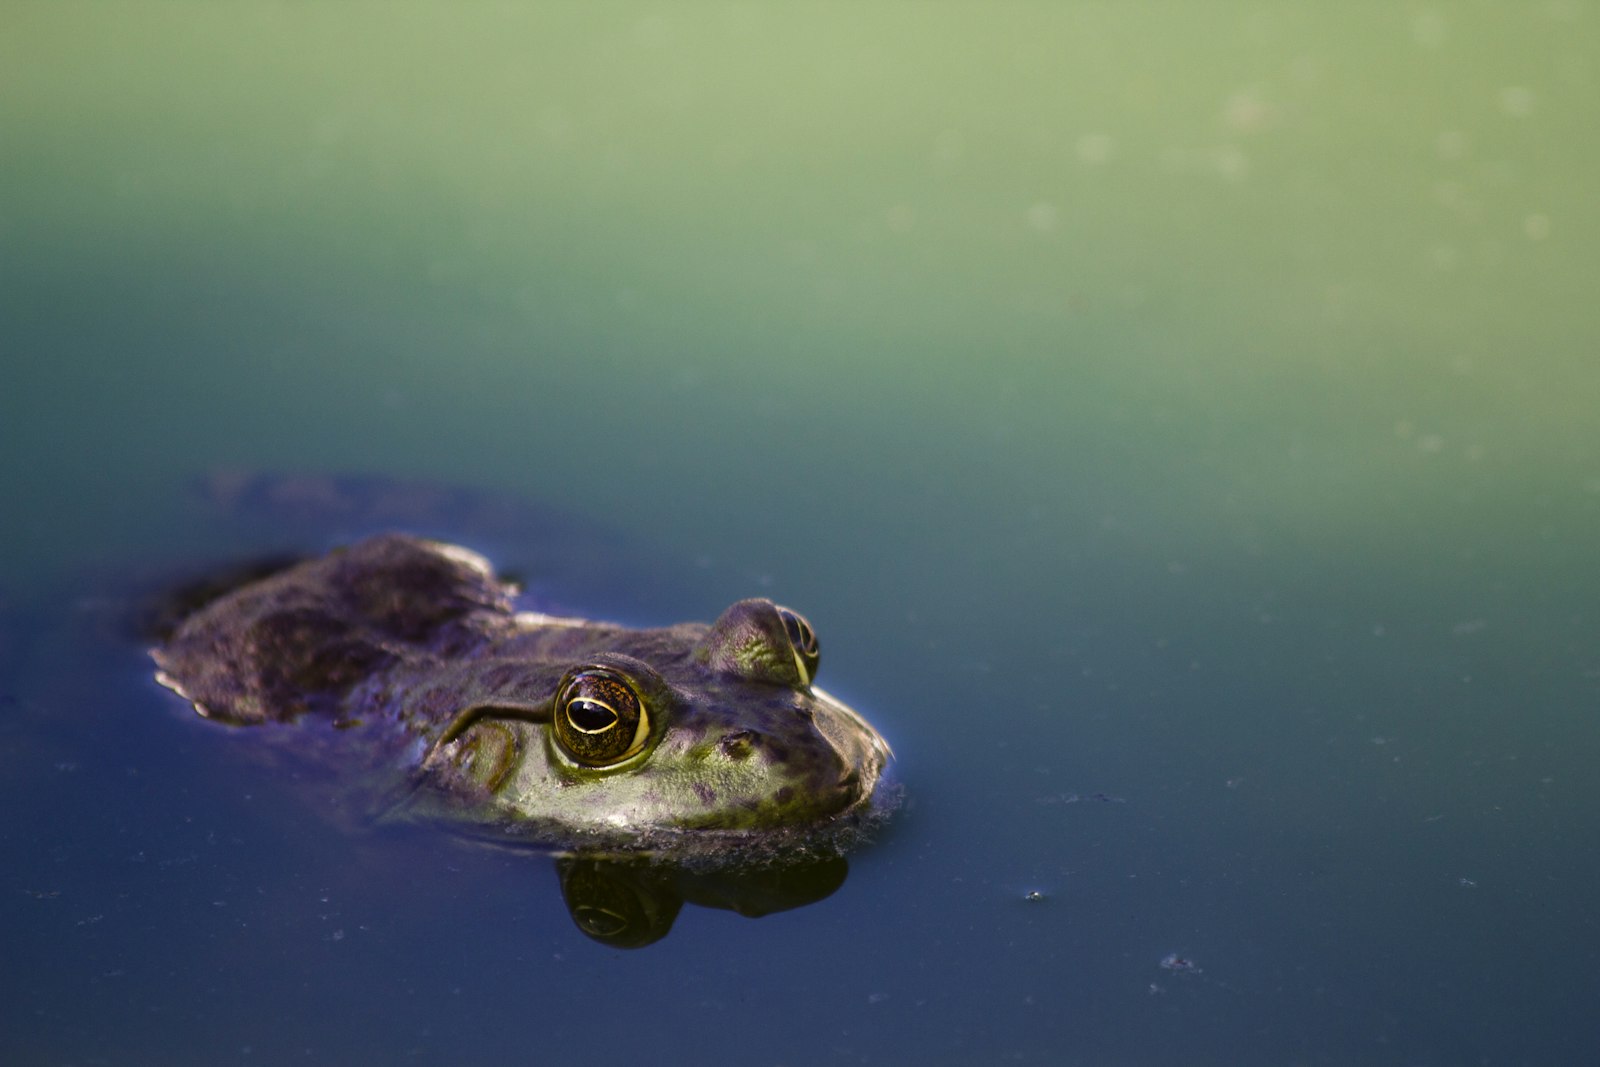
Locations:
(409, 661)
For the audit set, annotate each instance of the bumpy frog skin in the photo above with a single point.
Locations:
(519, 725)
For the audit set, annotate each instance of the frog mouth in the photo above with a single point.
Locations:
(862, 749)
(841, 715)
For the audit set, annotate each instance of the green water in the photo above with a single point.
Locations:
(1192, 403)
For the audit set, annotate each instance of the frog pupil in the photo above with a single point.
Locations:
(590, 716)
(800, 634)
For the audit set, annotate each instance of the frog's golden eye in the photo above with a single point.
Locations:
(599, 717)
(803, 639)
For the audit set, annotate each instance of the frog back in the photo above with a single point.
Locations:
(298, 641)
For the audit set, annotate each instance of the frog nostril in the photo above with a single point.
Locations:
(738, 744)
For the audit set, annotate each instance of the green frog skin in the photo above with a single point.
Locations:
(528, 727)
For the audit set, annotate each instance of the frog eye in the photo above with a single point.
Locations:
(759, 641)
(599, 717)
(803, 639)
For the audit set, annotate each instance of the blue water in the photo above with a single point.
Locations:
(1178, 427)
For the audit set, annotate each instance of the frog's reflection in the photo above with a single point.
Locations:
(631, 902)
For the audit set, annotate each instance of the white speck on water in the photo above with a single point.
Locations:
(1245, 111)
(1095, 148)
(1231, 163)
(1042, 217)
(1517, 101)
(1428, 29)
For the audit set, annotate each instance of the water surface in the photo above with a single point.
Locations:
(1177, 420)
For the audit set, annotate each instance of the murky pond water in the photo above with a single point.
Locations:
(1177, 421)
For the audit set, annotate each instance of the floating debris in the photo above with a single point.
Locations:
(1174, 962)
(1081, 798)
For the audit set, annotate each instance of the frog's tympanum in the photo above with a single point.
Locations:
(407, 658)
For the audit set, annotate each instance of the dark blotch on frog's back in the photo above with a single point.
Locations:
(298, 641)
(158, 616)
